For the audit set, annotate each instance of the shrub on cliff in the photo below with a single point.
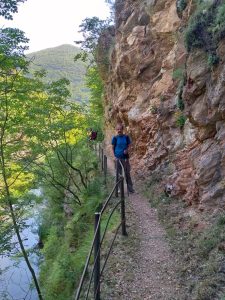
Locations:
(206, 29)
(181, 5)
(197, 34)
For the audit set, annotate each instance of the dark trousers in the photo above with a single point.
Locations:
(126, 165)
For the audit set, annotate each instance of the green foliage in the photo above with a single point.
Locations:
(197, 34)
(56, 283)
(180, 120)
(59, 62)
(178, 73)
(38, 129)
(66, 247)
(180, 104)
(221, 221)
(15, 101)
(207, 243)
(206, 28)
(83, 56)
(219, 25)
(8, 7)
(162, 98)
(91, 29)
(95, 85)
(213, 59)
(181, 5)
(13, 44)
(43, 139)
(6, 229)
(220, 18)
(16, 92)
(212, 237)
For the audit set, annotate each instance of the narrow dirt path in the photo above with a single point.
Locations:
(142, 266)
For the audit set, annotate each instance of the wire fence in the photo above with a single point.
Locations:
(92, 279)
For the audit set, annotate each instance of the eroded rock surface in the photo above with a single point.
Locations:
(150, 72)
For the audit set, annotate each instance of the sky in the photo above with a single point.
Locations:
(50, 23)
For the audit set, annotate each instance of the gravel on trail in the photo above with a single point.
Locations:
(142, 265)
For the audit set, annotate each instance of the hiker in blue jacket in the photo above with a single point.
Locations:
(120, 146)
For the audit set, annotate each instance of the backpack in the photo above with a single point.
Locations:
(114, 146)
(93, 135)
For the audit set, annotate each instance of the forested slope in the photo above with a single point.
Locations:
(59, 62)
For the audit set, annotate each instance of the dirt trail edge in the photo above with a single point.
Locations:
(141, 266)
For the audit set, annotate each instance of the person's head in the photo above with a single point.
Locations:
(119, 128)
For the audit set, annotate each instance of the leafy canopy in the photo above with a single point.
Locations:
(91, 29)
(8, 7)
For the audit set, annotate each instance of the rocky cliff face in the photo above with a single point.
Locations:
(171, 100)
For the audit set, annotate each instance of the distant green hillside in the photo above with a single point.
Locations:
(59, 62)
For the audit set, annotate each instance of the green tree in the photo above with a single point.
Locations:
(96, 110)
(14, 90)
(37, 122)
(8, 7)
(91, 29)
(64, 126)
(37, 126)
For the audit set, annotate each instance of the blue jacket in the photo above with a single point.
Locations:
(120, 143)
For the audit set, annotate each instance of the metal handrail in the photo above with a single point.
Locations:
(102, 158)
(86, 265)
(120, 181)
(107, 256)
(123, 174)
(104, 233)
(110, 196)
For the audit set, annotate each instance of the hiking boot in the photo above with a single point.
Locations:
(131, 191)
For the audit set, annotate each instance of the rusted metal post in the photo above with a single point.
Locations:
(105, 169)
(97, 258)
(123, 214)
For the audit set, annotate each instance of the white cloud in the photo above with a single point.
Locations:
(49, 23)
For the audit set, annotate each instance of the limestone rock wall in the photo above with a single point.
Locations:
(144, 85)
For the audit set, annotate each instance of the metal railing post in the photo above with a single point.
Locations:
(96, 273)
(99, 152)
(102, 158)
(117, 178)
(97, 258)
(105, 168)
(123, 214)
